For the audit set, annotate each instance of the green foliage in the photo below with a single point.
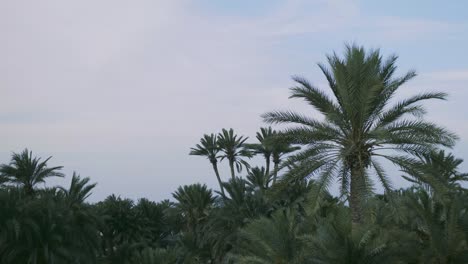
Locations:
(435, 170)
(255, 218)
(209, 148)
(27, 171)
(359, 126)
(233, 149)
(278, 239)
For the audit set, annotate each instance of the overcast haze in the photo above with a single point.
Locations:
(120, 90)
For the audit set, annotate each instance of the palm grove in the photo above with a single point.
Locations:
(280, 212)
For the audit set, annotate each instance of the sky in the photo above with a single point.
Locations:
(119, 91)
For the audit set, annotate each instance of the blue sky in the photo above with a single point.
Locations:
(119, 91)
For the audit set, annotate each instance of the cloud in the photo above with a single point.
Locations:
(306, 17)
(450, 76)
(407, 29)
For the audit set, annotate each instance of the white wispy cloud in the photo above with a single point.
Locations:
(450, 76)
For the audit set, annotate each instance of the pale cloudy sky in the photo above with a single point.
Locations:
(120, 90)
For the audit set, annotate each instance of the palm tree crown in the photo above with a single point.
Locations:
(209, 148)
(79, 190)
(435, 170)
(359, 123)
(233, 148)
(279, 148)
(264, 147)
(28, 171)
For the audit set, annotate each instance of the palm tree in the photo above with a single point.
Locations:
(28, 171)
(43, 229)
(442, 229)
(123, 229)
(335, 242)
(280, 148)
(279, 239)
(194, 203)
(209, 148)
(359, 125)
(78, 191)
(233, 148)
(257, 178)
(264, 147)
(435, 171)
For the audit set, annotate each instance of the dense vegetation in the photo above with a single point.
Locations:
(278, 213)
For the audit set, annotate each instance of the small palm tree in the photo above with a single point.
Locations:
(28, 171)
(233, 148)
(209, 148)
(78, 191)
(279, 240)
(442, 229)
(435, 171)
(264, 147)
(194, 203)
(257, 178)
(360, 124)
(123, 229)
(335, 242)
(280, 148)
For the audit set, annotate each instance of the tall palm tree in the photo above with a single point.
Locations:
(209, 148)
(359, 125)
(28, 171)
(233, 148)
(264, 147)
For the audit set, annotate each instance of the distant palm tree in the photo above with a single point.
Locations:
(277, 239)
(264, 147)
(194, 203)
(123, 229)
(258, 179)
(28, 171)
(335, 242)
(209, 148)
(82, 218)
(233, 148)
(435, 171)
(278, 150)
(360, 124)
(442, 229)
(78, 191)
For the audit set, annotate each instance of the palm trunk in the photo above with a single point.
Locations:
(267, 171)
(355, 202)
(275, 172)
(215, 168)
(29, 189)
(231, 165)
